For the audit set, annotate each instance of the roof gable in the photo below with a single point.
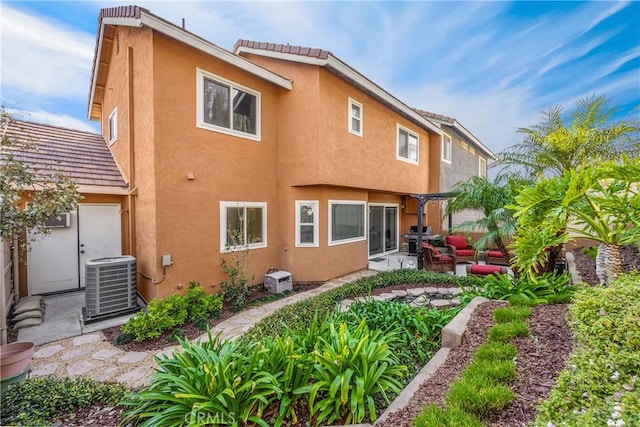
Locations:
(324, 58)
(81, 156)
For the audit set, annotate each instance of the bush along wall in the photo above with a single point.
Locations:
(601, 384)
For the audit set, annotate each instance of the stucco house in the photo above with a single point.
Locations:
(284, 150)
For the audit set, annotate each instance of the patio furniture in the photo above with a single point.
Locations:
(494, 256)
(461, 249)
(434, 260)
(483, 270)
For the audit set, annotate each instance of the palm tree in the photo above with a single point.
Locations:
(490, 199)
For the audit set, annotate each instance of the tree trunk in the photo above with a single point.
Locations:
(600, 269)
(612, 262)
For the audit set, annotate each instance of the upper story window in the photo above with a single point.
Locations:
(113, 126)
(482, 167)
(346, 221)
(227, 107)
(306, 223)
(407, 145)
(243, 225)
(446, 148)
(355, 117)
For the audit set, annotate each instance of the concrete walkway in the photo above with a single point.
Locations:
(90, 355)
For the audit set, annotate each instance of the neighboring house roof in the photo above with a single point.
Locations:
(326, 59)
(81, 156)
(135, 16)
(458, 129)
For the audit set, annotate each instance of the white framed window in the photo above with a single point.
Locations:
(407, 145)
(307, 223)
(243, 225)
(465, 146)
(446, 148)
(482, 167)
(472, 150)
(227, 107)
(113, 126)
(355, 117)
(347, 221)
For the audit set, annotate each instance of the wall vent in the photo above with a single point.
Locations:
(110, 286)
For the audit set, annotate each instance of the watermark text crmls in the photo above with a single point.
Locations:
(207, 418)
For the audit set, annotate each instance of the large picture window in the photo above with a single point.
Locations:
(407, 145)
(243, 225)
(346, 221)
(306, 223)
(227, 107)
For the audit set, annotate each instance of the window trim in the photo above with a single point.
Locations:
(351, 116)
(444, 151)
(113, 118)
(409, 132)
(223, 225)
(315, 205)
(482, 170)
(330, 218)
(200, 76)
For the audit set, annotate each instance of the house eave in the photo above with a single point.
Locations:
(103, 189)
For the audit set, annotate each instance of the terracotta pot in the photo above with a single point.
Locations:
(15, 358)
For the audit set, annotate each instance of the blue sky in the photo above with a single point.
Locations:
(492, 65)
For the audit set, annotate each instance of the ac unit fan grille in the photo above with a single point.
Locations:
(110, 286)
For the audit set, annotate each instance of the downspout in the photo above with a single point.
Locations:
(133, 190)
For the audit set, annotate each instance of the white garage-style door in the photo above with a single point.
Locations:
(56, 262)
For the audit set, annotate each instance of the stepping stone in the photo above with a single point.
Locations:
(105, 354)
(43, 353)
(344, 307)
(132, 357)
(431, 290)
(455, 302)
(347, 301)
(388, 296)
(169, 352)
(416, 292)
(421, 300)
(135, 375)
(378, 298)
(27, 314)
(72, 354)
(455, 291)
(107, 374)
(440, 303)
(86, 339)
(45, 370)
(415, 304)
(80, 368)
(27, 323)
(444, 291)
(400, 293)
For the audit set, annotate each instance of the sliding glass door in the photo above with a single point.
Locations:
(383, 228)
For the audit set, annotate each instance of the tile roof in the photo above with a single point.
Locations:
(81, 156)
(284, 48)
(440, 117)
(122, 12)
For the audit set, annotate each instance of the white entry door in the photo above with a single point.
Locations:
(99, 235)
(56, 262)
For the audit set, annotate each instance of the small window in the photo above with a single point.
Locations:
(482, 167)
(113, 126)
(307, 223)
(346, 221)
(243, 225)
(472, 150)
(407, 145)
(227, 107)
(355, 117)
(465, 146)
(446, 148)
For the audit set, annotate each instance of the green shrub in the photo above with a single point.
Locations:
(433, 415)
(495, 351)
(600, 385)
(496, 371)
(506, 331)
(37, 401)
(521, 301)
(508, 314)
(298, 316)
(201, 305)
(590, 251)
(215, 382)
(177, 334)
(504, 287)
(351, 367)
(478, 396)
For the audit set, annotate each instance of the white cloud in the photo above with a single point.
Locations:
(60, 120)
(44, 57)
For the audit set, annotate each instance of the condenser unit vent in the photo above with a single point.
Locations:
(110, 286)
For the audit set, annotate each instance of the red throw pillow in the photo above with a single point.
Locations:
(495, 254)
(460, 242)
(431, 248)
(485, 269)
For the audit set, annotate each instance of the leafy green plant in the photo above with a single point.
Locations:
(590, 251)
(124, 338)
(159, 316)
(504, 287)
(201, 305)
(235, 290)
(37, 401)
(177, 334)
(214, 382)
(351, 366)
(600, 384)
(433, 415)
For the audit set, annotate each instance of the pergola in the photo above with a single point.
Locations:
(422, 200)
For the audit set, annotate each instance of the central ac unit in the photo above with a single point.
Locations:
(110, 286)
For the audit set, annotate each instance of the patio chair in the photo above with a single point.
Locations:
(494, 256)
(436, 261)
(461, 249)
